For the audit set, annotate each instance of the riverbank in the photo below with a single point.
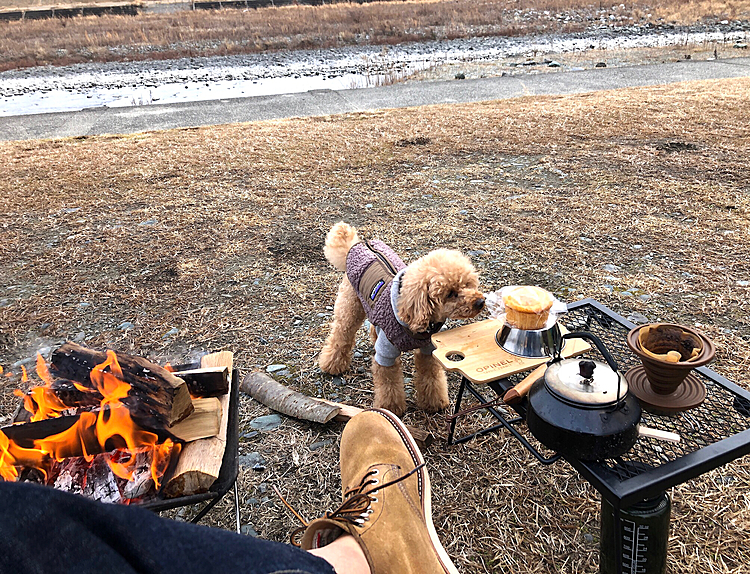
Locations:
(112, 38)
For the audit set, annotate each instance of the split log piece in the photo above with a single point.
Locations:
(203, 423)
(265, 389)
(156, 398)
(209, 382)
(200, 461)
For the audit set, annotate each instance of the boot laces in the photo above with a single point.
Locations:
(355, 509)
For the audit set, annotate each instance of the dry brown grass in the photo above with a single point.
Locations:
(222, 32)
(218, 232)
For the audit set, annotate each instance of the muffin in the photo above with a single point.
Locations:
(527, 307)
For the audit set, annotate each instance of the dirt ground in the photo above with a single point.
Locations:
(171, 243)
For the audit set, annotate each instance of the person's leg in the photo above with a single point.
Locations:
(345, 555)
(387, 501)
(44, 530)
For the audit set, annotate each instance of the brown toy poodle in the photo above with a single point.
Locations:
(406, 305)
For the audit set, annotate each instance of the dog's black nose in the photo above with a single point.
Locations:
(478, 304)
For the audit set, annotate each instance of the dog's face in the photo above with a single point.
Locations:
(441, 285)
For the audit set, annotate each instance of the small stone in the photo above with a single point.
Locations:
(637, 318)
(554, 64)
(266, 423)
(743, 283)
(275, 368)
(148, 222)
(4, 302)
(338, 381)
(83, 305)
(79, 337)
(171, 332)
(368, 206)
(321, 315)
(262, 488)
(644, 297)
(252, 460)
(357, 355)
(320, 444)
(601, 65)
(611, 268)
(588, 538)
(248, 530)
(460, 76)
(636, 247)
(253, 501)
(626, 293)
(249, 434)
(44, 326)
(125, 326)
(463, 212)
(609, 288)
(477, 253)
(740, 46)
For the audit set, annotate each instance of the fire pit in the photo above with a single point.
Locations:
(120, 429)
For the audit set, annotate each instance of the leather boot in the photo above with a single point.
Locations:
(386, 505)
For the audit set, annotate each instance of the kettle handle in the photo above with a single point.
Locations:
(597, 342)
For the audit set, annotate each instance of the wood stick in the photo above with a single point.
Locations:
(265, 389)
(514, 395)
(206, 382)
(200, 461)
(203, 423)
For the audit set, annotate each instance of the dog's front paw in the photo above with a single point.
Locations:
(397, 405)
(333, 362)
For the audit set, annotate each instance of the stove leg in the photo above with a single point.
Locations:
(635, 539)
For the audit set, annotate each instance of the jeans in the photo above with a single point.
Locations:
(43, 530)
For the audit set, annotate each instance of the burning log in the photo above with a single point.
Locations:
(156, 399)
(200, 461)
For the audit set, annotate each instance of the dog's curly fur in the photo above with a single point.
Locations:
(440, 285)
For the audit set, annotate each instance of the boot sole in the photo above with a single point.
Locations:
(425, 491)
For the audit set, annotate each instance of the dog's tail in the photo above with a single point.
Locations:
(339, 240)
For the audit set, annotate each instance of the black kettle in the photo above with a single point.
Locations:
(581, 408)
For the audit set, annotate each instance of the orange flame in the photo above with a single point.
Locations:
(167, 367)
(94, 432)
(24, 375)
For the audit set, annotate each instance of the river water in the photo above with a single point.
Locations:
(80, 86)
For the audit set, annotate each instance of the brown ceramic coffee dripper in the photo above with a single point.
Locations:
(668, 354)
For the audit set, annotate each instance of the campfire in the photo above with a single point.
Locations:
(118, 428)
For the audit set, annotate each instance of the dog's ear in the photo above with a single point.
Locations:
(416, 307)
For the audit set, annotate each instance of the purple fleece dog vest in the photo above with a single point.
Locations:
(371, 274)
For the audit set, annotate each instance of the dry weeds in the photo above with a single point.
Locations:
(217, 232)
(221, 32)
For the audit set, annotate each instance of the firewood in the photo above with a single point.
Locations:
(156, 397)
(203, 423)
(265, 389)
(208, 382)
(200, 461)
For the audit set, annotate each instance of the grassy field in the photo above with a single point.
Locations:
(205, 33)
(212, 238)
